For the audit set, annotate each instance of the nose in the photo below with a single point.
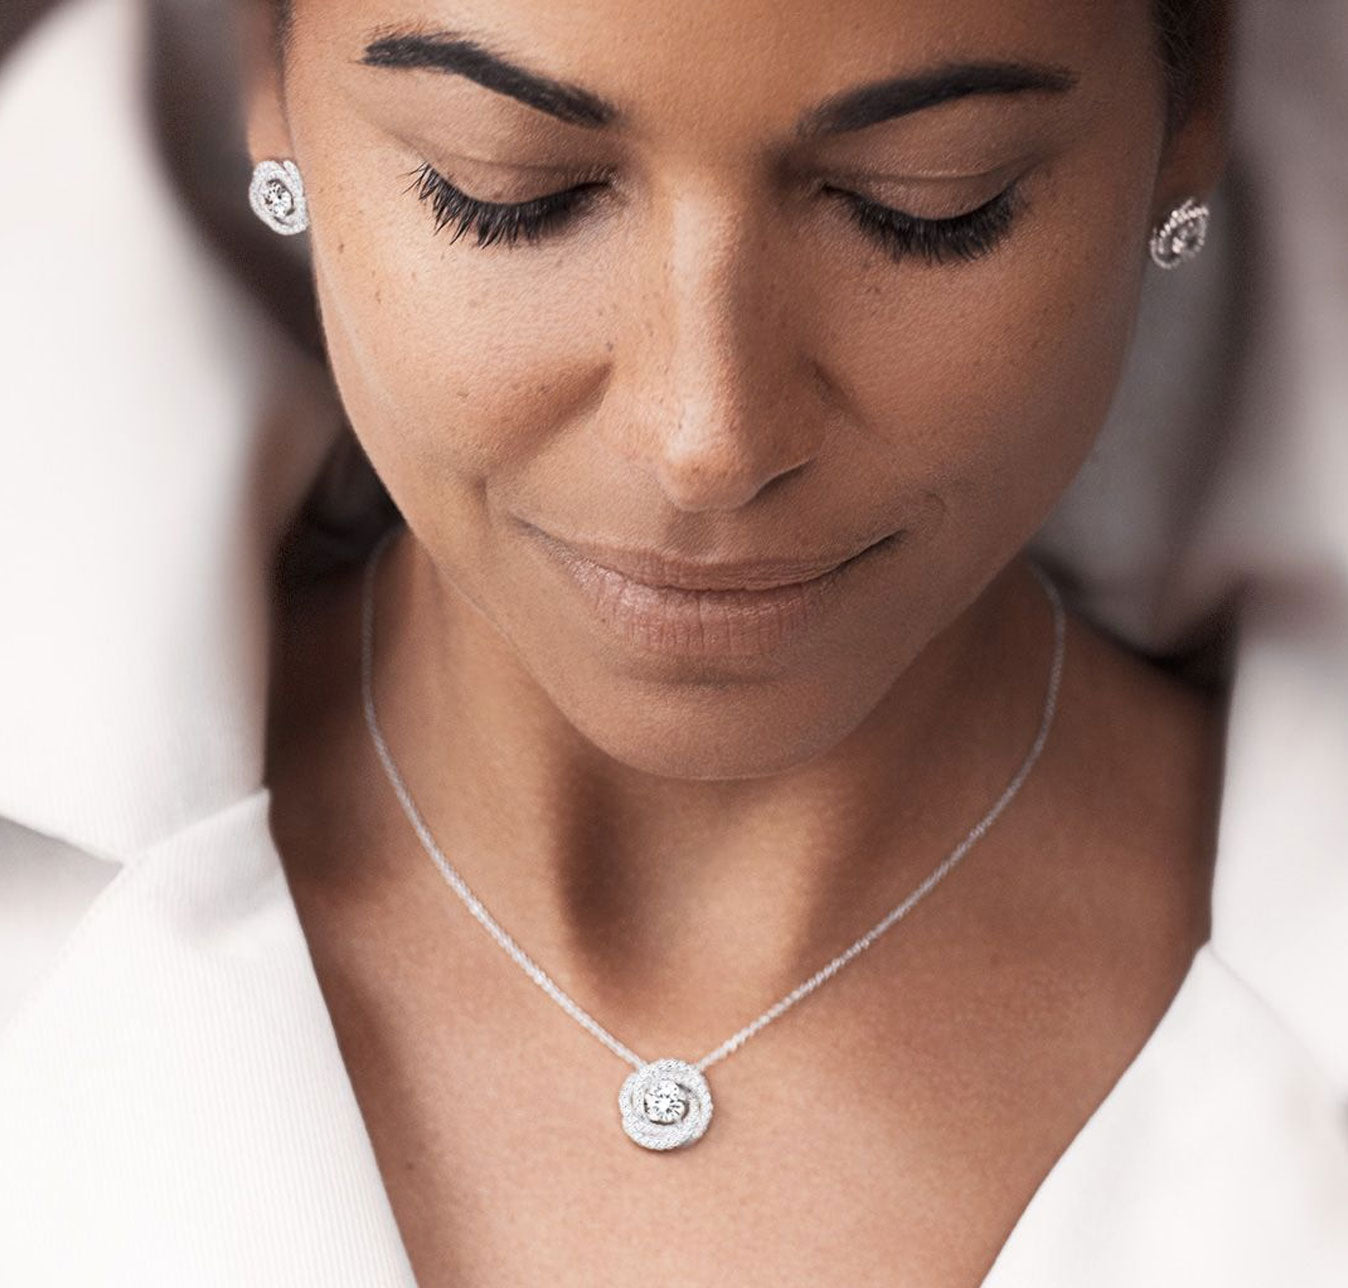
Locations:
(723, 395)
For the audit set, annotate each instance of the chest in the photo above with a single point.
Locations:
(854, 1141)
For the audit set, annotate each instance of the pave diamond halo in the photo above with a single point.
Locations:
(665, 1104)
(1182, 234)
(277, 197)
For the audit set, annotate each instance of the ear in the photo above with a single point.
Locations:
(1195, 156)
(263, 82)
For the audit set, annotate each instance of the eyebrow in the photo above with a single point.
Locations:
(458, 54)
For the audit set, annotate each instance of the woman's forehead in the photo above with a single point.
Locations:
(788, 68)
(639, 54)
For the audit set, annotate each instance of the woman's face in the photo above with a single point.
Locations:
(721, 346)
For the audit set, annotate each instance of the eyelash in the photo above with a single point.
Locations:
(497, 221)
(967, 236)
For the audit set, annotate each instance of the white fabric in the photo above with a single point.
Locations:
(173, 1105)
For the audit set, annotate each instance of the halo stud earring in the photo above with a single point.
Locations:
(1182, 234)
(277, 197)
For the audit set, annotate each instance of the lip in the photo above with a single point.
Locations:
(656, 571)
(729, 609)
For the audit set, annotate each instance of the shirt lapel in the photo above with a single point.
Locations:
(1218, 1157)
(174, 1108)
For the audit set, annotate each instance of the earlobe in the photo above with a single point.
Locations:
(263, 82)
(1196, 155)
(1195, 159)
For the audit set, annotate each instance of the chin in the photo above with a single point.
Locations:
(720, 730)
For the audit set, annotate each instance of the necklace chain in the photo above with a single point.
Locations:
(544, 980)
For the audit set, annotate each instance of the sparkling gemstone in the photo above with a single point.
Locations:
(666, 1102)
(279, 199)
(276, 194)
(1182, 235)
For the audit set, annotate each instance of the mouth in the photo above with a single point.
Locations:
(729, 609)
(658, 572)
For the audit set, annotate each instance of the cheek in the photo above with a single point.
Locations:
(455, 364)
(990, 381)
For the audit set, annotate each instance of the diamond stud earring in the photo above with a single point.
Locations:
(277, 197)
(1182, 234)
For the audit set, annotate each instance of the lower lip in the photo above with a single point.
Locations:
(707, 623)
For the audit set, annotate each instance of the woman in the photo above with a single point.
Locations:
(703, 629)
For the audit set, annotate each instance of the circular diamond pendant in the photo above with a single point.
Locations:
(665, 1104)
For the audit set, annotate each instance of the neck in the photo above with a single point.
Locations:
(630, 886)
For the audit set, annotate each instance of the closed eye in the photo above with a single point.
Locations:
(965, 236)
(498, 221)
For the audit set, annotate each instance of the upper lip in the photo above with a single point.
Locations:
(654, 569)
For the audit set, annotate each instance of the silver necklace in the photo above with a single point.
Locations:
(666, 1103)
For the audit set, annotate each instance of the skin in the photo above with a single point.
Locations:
(715, 362)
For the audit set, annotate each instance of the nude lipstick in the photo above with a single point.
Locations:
(741, 609)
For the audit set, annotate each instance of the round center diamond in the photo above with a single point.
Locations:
(666, 1102)
(279, 198)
